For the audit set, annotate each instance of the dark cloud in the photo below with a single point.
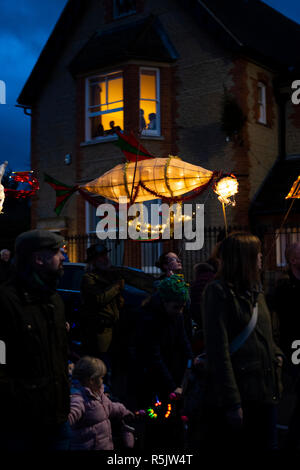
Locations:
(15, 138)
(25, 26)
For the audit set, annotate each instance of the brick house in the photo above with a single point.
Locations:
(215, 75)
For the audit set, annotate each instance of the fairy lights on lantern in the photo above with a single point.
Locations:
(153, 231)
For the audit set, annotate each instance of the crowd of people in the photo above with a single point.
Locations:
(205, 359)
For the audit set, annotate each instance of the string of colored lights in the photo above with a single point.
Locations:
(159, 410)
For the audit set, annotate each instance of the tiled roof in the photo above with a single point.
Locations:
(258, 28)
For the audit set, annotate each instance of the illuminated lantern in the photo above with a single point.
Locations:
(2, 195)
(225, 188)
(295, 190)
(154, 178)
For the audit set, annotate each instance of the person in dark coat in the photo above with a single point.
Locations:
(164, 348)
(101, 289)
(203, 274)
(34, 387)
(163, 352)
(286, 301)
(243, 388)
(5, 265)
(285, 304)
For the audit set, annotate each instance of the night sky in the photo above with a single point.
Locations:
(25, 26)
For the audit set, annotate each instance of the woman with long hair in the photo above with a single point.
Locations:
(242, 358)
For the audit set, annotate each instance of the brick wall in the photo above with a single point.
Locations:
(292, 128)
(263, 138)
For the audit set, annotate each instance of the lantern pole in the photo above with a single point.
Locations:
(225, 219)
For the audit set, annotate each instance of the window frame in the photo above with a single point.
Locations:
(116, 15)
(262, 104)
(88, 114)
(157, 131)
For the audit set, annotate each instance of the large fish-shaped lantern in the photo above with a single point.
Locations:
(145, 177)
(155, 178)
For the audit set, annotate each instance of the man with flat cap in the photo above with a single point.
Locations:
(34, 388)
(101, 292)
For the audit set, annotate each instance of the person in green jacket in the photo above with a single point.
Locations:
(102, 301)
(242, 387)
(34, 386)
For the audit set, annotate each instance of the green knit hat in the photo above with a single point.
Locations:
(173, 288)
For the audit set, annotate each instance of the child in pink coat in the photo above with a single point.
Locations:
(91, 410)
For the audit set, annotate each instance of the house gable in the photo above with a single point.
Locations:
(274, 45)
(144, 39)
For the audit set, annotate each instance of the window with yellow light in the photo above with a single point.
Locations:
(105, 112)
(149, 101)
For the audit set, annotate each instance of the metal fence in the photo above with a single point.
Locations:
(77, 245)
(144, 254)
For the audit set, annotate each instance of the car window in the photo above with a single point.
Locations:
(72, 276)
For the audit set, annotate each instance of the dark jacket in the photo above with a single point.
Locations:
(101, 305)
(163, 348)
(248, 374)
(206, 275)
(285, 305)
(34, 386)
(5, 271)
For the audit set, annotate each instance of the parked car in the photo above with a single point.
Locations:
(138, 286)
